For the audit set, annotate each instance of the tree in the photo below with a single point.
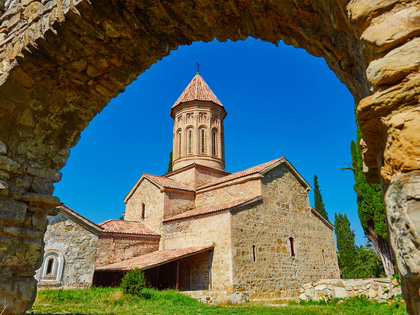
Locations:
(319, 204)
(355, 261)
(170, 163)
(345, 245)
(371, 208)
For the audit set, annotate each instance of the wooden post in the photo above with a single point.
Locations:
(157, 277)
(177, 275)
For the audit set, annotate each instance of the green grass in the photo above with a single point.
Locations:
(112, 301)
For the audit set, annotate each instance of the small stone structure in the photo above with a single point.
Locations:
(377, 289)
(70, 251)
(62, 61)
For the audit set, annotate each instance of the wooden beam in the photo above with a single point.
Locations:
(177, 275)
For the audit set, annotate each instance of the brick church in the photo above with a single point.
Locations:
(250, 235)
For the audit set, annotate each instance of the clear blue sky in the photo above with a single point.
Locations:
(281, 101)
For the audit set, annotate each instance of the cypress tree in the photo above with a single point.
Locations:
(371, 208)
(319, 204)
(345, 245)
(170, 163)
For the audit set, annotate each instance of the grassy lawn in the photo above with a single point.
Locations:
(112, 301)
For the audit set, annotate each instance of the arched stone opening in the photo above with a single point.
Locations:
(63, 60)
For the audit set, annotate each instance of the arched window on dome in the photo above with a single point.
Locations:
(179, 143)
(214, 142)
(190, 138)
(202, 140)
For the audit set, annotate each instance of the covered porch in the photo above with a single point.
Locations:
(186, 269)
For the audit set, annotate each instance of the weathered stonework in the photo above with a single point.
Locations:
(380, 289)
(114, 248)
(63, 60)
(72, 244)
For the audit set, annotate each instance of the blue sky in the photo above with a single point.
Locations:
(281, 101)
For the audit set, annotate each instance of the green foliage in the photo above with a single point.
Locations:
(319, 204)
(345, 245)
(370, 202)
(355, 261)
(107, 301)
(133, 282)
(170, 163)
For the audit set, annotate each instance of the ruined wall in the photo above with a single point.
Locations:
(149, 195)
(77, 245)
(178, 202)
(115, 248)
(267, 227)
(202, 231)
(228, 193)
(62, 62)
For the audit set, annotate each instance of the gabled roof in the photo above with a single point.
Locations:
(153, 259)
(77, 217)
(161, 182)
(127, 227)
(197, 90)
(214, 208)
(262, 168)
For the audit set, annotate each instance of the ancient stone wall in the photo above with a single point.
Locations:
(264, 265)
(194, 272)
(114, 248)
(63, 60)
(78, 246)
(379, 289)
(178, 202)
(149, 195)
(225, 193)
(203, 231)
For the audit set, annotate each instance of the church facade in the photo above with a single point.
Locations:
(250, 235)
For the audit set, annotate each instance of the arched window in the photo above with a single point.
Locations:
(190, 141)
(254, 253)
(179, 142)
(202, 141)
(143, 211)
(214, 142)
(51, 271)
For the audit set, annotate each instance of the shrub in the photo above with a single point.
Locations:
(133, 282)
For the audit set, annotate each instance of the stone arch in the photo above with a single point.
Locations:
(62, 61)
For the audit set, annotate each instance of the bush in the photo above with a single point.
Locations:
(133, 282)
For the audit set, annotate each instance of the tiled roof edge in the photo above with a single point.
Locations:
(85, 222)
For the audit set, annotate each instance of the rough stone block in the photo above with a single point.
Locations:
(3, 148)
(12, 211)
(341, 292)
(42, 200)
(8, 165)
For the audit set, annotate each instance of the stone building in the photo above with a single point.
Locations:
(70, 251)
(249, 235)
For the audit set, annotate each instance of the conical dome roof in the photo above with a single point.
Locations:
(197, 90)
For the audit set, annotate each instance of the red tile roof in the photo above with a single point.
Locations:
(249, 171)
(153, 259)
(127, 227)
(167, 182)
(197, 90)
(213, 208)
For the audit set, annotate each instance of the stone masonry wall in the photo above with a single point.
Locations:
(228, 193)
(202, 231)
(178, 202)
(63, 61)
(195, 272)
(380, 289)
(283, 213)
(196, 176)
(150, 195)
(78, 245)
(116, 248)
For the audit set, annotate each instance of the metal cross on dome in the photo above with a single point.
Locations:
(198, 67)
